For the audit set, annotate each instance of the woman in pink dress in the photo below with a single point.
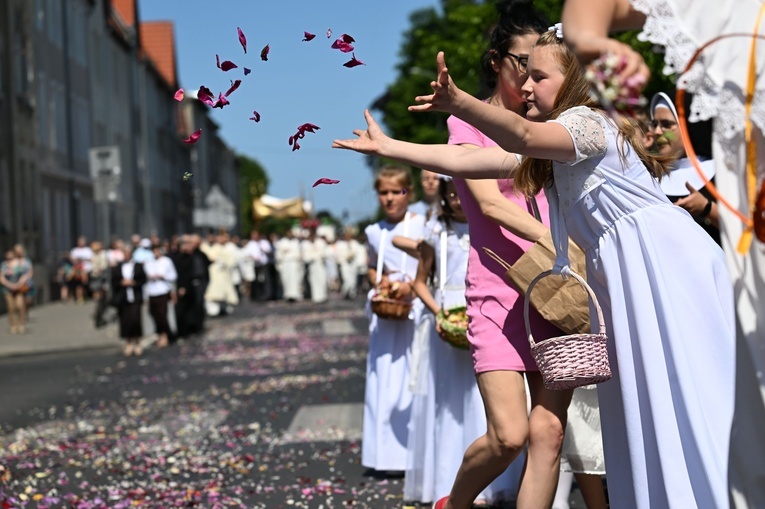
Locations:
(502, 220)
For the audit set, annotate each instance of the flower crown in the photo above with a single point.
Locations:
(558, 29)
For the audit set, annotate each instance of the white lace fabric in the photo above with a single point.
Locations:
(586, 129)
(718, 78)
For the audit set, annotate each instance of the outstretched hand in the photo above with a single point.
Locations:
(445, 92)
(369, 141)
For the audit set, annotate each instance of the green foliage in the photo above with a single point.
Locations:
(253, 182)
(461, 29)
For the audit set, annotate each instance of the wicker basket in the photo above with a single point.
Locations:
(391, 309)
(567, 362)
(452, 334)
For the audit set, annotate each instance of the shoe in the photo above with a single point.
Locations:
(162, 342)
(440, 503)
(21, 329)
(128, 350)
(13, 330)
(137, 350)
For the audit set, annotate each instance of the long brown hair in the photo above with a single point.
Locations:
(534, 174)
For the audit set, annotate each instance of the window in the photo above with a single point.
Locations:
(42, 111)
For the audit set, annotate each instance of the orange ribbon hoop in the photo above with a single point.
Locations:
(751, 148)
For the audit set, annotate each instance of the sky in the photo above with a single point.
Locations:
(301, 82)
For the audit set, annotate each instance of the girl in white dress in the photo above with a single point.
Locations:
(661, 280)
(387, 397)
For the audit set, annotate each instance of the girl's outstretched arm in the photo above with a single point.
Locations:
(491, 163)
(511, 131)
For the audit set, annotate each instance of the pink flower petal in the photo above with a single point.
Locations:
(347, 38)
(247, 71)
(206, 96)
(227, 66)
(353, 62)
(234, 86)
(329, 33)
(217, 60)
(342, 46)
(308, 127)
(194, 137)
(179, 95)
(325, 180)
(242, 39)
(264, 53)
(256, 117)
(221, 102)
(307, 36)
(295, 146)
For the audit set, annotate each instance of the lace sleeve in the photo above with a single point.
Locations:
(586, 129)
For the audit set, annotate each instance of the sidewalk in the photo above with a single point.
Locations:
(57, 327)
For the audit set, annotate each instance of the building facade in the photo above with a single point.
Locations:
(81, 74)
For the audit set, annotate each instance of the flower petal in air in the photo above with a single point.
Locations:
(217, 61)
(347, 38)
(308, 127)
(206, 96)
(247, 71)
(325, 180)
(342, 46)
(234, 86)
(329, 33)
(353, 62)
(242, 39)
(227, 66)
(264, 53)
(179, 95)
(295, 146)
(221, 102)
(256, 117)
(194, 137)
(307, 36)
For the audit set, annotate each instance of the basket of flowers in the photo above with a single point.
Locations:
(452, 324)
(384, 305)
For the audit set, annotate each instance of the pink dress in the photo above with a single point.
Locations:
(496, 329)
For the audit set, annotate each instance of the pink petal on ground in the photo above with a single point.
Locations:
(234, 86)
(256, 117)
(179, 95)
(353, 62)
(307, 36)
(194, 137)
(227, 66)
(342, 46)
(242, 39)
(247, 71)
(206, 96)
(264, 53)
(325, 181)
(347, 38)
(329, 33)
(222, 101)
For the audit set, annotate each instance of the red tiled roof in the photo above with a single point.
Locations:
(158, 43)
(126, 10)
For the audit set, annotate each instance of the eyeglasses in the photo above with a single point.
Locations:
(664, 125)
(523, 62)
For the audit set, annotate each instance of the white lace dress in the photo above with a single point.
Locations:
(681, 26)
(667, 299)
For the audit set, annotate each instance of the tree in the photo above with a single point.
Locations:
(253, 183)
(461, 30)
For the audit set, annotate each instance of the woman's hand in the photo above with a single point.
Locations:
(694, 203)
(445, 94)
(370, 141)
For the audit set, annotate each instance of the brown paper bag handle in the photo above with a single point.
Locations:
(497, 258)
(584, 285)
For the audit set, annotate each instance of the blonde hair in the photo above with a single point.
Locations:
(401, 173)
(534, 174)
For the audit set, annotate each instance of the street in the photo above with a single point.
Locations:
(264, 411)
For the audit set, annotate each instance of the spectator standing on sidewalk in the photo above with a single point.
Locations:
(15, 277)
(161, 276)
(429, 202)
(258, 261)
(99, 273)
(128, 278)
(81, 256)
(143, 253)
